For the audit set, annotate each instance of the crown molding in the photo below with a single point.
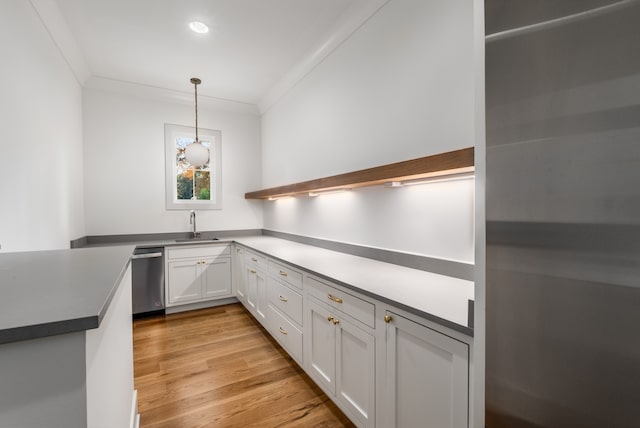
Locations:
(49, 14)
(156, 93)
(349, 23)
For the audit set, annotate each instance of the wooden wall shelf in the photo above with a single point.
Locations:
(455, 162)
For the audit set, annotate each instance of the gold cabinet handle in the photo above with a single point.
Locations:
(335, 321)
(388, 318)
(254, 259)
(252, 270)
(283, 331)
(330, 318)
(334, 298)
(284, 299)
(283, 273)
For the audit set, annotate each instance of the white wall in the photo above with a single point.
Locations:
(41, 141)
(401, 87)
(125, 165)
(432, 219)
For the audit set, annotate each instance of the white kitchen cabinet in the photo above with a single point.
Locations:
(320, 345)
(426, 377)
(340, 357)
(240, 274)
(216, 278)
(256, 286)
(383, 366)
(198, 273)
(183, 281)
(284, 310)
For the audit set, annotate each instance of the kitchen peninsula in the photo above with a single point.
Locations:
(66, 357)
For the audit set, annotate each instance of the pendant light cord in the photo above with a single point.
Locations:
(196, 82)
(196, 88)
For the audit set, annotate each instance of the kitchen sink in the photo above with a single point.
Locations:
(196, 239)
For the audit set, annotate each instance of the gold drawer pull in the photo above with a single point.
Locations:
(283, 331)
(254, 259)
(252, 270)
(284, 299)
(334, 298)
(330, 318)
(387, 318)
(335, 321)
(283, 273)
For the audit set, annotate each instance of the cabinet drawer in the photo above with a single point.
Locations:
(357, 308)
(285, 299)
(198, 252)
(255, 260)
(286, 333)
(286, 274)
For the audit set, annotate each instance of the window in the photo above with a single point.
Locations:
(189, 187)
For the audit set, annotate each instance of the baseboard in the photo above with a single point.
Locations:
(134, 420)
(200, 305)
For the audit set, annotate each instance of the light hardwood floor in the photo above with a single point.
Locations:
(218, 367)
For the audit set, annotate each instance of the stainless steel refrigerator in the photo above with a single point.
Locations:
(563, 213)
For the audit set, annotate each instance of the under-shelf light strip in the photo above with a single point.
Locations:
(327, 192)
(429, 180)
(457, 177)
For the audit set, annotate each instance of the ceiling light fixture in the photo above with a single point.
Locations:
(199, 27)
(195, 153)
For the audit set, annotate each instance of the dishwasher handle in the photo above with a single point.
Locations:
(146, 256)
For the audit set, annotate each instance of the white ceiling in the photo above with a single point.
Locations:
(251, 47)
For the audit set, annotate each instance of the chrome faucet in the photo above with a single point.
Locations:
(192, 220)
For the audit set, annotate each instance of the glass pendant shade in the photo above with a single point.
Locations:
(196, 154)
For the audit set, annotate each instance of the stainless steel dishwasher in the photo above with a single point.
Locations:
(148, 281)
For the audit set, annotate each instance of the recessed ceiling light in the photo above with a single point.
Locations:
(199, 27)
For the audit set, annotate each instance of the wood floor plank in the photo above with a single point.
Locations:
(218, 367)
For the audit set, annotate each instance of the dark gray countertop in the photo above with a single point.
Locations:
(443, 299)
(45, 293)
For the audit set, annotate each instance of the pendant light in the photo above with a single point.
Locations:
(195, 153)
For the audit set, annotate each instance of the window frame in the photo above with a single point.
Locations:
(171, 133)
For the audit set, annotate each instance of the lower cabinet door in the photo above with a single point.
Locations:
(320, 345)
(426, 377)
(184, 284)
(355, 372)
(261, 297)
(252, 289)
(240, 275)
(257, 294)
(216, 278)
